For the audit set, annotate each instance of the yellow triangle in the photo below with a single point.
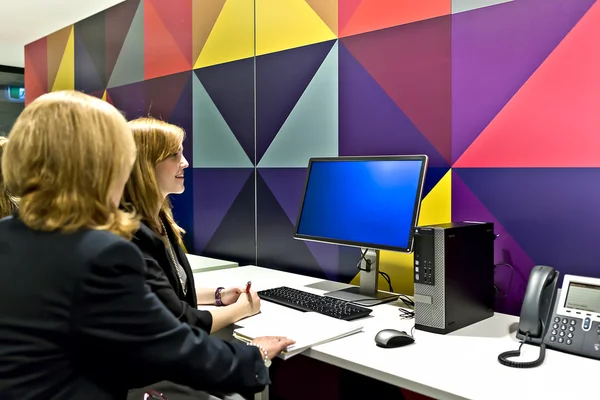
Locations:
(282, 25)
(232, 37)
(436, 208)
(104, 95)
(65, 78)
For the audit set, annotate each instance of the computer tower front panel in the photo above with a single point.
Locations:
(429, 275)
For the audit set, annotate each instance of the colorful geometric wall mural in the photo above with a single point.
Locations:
(502, 95)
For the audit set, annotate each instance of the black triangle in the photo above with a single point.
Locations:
(90, 53)
(277, 248)
(234, 238)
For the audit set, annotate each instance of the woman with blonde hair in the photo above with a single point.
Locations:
(74, 306)
(159, 172)
(7, 202)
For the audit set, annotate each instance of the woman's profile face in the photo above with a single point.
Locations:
(169, 173)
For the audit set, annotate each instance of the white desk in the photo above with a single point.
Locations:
(204, 264)
(460, 365)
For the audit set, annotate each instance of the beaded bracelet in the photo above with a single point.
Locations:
(218, 300)
(265, 352)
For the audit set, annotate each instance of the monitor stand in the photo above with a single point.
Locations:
(366, 294)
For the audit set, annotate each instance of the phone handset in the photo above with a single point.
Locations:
(536, 310)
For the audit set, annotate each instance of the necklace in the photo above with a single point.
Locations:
(173, 258)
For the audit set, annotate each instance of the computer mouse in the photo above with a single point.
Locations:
(390, 338)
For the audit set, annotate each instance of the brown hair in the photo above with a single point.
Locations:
(155, 140)
(66, 153)
(8, 203)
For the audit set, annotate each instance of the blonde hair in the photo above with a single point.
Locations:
(8, 203)
(155, 140)
(66, 153)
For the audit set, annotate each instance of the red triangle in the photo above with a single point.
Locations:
(372, 15)
(162, 54)
(553, 119)
(177, 17)
(346, 9)
(36, 70)
(412, 65)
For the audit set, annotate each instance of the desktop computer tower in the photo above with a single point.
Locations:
(454, 275)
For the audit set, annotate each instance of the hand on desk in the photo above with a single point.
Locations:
(250, 302)
(273, 344)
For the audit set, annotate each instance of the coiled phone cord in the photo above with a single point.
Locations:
(504, 357)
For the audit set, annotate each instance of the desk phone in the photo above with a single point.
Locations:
(575, 323)
(570, 324)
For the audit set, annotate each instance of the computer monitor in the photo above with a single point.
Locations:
(367, 202)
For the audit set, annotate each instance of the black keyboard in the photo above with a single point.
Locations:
(305, 301)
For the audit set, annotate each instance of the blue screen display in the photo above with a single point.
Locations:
(361, 201)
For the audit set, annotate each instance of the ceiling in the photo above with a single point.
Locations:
(24, 21)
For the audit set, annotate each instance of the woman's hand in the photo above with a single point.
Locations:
(249, 302)
(231, 295)
(273, 345)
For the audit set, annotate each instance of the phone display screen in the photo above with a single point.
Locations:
(583, 297)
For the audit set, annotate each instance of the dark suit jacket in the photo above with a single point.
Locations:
(163, 280)
(77, 321)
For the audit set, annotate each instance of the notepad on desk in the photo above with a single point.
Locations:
(308, 329)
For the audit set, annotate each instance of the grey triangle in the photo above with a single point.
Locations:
(215, 145)
(311, 129)
(459, 6)
(130, 63)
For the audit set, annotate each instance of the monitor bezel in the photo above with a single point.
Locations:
(422, 174)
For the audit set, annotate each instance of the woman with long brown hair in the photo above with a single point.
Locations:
(157, 173)
(75, 311)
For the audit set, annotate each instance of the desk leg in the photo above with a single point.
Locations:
(264, 395)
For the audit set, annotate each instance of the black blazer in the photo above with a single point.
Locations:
(163, 280)
(77, 321)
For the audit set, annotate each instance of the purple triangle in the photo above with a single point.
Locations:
(182, 114)
(129, 99)
(551, 212)
(287, 186)
(281, 78)
(467, 207)
(494, 52)
(183, 204)
(328, 257)
(215, 190)
(231, 88)
(370, 122)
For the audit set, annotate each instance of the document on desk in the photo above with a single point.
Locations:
(308, 329)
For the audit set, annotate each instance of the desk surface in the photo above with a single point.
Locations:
(460, 365)
(203, 264)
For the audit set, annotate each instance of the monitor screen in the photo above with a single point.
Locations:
(370, 202)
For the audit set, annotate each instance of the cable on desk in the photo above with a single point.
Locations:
(504, 357)
(406, 314)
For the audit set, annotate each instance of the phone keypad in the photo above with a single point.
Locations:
(563, 330)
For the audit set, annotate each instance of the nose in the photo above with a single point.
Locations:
(184, 162)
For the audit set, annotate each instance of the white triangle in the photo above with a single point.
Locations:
(311, 129)
(215, 145)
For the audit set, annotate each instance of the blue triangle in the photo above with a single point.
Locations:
(215, 145)
(311, 130)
